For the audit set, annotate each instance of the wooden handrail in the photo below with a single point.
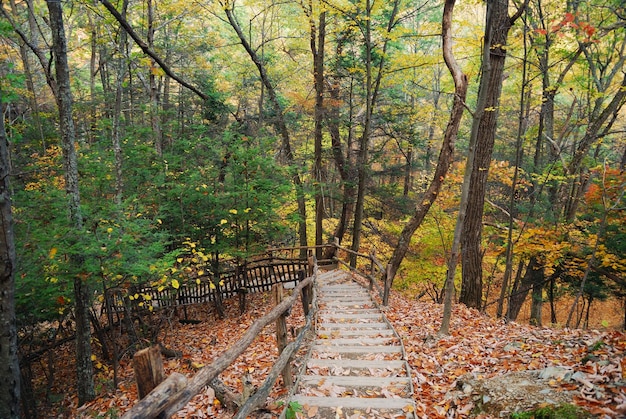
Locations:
(205, 375)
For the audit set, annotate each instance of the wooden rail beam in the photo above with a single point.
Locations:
(204, 376)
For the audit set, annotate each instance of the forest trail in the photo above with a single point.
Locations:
(357, 363)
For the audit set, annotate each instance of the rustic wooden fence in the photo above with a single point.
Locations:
(174, 392)
(257, 274)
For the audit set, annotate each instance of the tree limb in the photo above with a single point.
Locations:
(146, 49)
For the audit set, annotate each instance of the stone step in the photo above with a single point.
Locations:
(348, 310)
(355, 381)
(354, 326)
(349, 316)
(358, 341)
(345, 333)
(390, 365)
(357, 402)
(355, 349)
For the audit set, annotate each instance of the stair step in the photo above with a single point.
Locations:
(357, 341)
(354, 349)
(355, 381)
(349, 316)
(389, 365)
(356, 402)
(355, 326)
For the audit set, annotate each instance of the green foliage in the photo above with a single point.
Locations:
(292, 409)
(564, 411)
(229, 200)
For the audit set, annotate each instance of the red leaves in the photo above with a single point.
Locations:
(570, 21)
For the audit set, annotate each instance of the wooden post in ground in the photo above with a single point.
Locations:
(281, 334)
(148, 367)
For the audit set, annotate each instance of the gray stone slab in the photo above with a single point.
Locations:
(355, 402)
(355, 349)
(391, 365)
(354, 381)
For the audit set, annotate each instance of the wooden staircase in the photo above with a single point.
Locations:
(356, 366)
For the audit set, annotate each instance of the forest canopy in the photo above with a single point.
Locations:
(207, 131)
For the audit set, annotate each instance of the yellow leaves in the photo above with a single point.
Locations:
(223, 221)
(175, 284)
(212, 286)
(52, 253)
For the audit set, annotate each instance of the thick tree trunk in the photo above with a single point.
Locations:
(483, 132)
(84, 368)
(9, 364)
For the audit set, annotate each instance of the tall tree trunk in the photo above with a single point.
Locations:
(117, 111)
(361, 166)
(372, 88)
(84, 368)
(155, 121)
(9, 364)
(483, 135)
(521, 129)
(445, 155)
(317, 42)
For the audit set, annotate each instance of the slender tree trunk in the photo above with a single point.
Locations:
(9, 364)
(483, 135)
(460, 83)
(533, 275)
(317, 49)
(84, 368)
(117, 111)
(343, 163)
(362, 169)
(372, 88)
(155, 122)
(521, 129)
(445, 155)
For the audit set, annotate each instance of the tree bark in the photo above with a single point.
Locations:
(317, 42)
(9, 364)
(521, 288)
(372, 86)
(445, 155)
(483, 135)
(84, 367)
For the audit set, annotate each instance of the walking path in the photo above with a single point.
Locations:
(356, 367)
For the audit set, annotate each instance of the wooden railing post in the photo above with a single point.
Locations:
(307, 294)
(281, 334)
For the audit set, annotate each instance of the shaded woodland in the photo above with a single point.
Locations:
(162, 143)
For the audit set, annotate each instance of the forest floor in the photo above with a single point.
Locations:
(485, 368)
